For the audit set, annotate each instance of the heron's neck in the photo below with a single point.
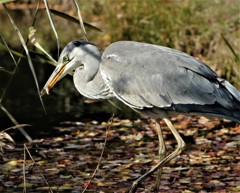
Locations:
(89, 81)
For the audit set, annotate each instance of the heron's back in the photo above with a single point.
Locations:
(149, 77)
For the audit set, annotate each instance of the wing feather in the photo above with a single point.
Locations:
(145, 75)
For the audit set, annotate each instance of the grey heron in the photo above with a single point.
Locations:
(156, 81)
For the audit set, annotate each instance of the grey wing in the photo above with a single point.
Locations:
(145, 76)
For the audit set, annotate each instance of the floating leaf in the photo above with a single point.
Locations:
(25, 185)
(9, 165)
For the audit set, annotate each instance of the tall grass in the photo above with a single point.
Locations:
(195, 27)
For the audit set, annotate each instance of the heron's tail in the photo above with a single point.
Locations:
(230, 88)
(226, 103)
(231, 101)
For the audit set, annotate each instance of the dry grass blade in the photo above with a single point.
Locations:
(4, 135)
(6, 141)
(36, 12)
(52, 24)
(9, 81)
(24, 174)
(4, 70)
(5, 43)
(16, 127)
(100, 158)
(23, 56)
(80, 19)
(12, 51)
(34, 41)
(27, 53)
(115, 105)
(73, 19)
(99, 162)
(25, 134)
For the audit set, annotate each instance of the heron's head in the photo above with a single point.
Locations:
(72, 57)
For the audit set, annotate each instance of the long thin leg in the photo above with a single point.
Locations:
(161, 152)
(178, 150)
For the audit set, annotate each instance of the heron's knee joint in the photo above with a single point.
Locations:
(162, 150)
(135, 183)
(182, 145)
(162, 153)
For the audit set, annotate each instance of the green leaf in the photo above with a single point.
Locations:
(80, 19)
(52, 22)
(42, 56)
(5, 43)
(73, 19)
(25, 185)
(6, 1)
(4, 70)
(231, 48)
(25, 134)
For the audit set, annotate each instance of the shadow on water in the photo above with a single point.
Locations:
(64, 104)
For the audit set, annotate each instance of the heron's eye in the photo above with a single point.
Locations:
(81, 66)
(66, 59)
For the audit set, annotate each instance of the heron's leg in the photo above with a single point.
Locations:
(175, 153)
(161, 151)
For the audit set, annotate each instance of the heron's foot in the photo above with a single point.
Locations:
(134, 187)
(155, 189)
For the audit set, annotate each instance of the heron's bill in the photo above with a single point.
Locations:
(53, 79)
